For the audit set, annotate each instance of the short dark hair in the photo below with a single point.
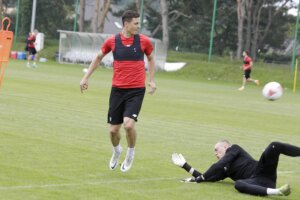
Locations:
(247, 52)
(129, 15)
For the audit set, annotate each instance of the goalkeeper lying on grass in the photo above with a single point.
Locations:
(250, 176)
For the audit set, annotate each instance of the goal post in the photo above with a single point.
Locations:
(295, 75)
(81, 48)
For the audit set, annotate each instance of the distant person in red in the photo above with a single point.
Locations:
(31, 49)
(27, 42)
(247, 66)
(128, 83)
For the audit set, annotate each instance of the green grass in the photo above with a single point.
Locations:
(224, 70)
(54, 141)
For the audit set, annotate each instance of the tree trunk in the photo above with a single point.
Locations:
(271, 16)
(103, 12)
(256, 31)
(96, 16)
(164, 16)
(137, 4)
(249, 22)
(81, 15)
(241, 18)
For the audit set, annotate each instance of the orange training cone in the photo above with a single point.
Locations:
(6, 38)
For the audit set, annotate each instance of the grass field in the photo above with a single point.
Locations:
(54, 142)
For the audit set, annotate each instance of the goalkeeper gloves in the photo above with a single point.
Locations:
(178, 159)
(189, 180)
(199, 179)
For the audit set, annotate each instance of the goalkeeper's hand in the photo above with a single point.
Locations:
(199, 179)
(189, 180)
(178, 159)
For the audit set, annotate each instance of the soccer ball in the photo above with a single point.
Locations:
(84, 70)
(272, 91)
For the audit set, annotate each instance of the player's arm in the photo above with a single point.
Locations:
(94, 64)
(148, 50)
(105, 49)
(180, 161)
(250, 63)
(213, 174)
(151, 71)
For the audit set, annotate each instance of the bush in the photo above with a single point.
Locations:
(276, 58)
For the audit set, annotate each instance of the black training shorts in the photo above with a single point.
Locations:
(124, 103)
(31, 50)
(247, 73)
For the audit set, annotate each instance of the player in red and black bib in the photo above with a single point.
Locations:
(247, 66)
(31, 49)
(128, 83)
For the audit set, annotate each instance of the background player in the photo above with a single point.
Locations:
(247, 66)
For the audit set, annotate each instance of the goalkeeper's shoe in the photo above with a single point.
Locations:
(285, 190)
(115, 159)
(126, 165)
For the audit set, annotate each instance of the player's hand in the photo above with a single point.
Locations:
(178, 159)
(83, 85)
(188, 180)
(200, 179)
(152, 87)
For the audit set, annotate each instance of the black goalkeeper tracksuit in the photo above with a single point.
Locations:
(251, 176)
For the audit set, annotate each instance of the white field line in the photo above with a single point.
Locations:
(2, 188)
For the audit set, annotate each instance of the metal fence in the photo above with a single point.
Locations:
(82, 47)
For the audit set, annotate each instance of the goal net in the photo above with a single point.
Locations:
(81, 47)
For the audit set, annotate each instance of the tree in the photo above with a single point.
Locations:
(248, 7)
(259, 16)
(164, 16)
(138, 6)
(100, 13)
(103, 10)
(264, 14)
(189, 25)
(241, 17)
(48, 20)
(81, 15)
(96, 16)
(225, 36)
(3, 9)
(239, 25)
(161, 21)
